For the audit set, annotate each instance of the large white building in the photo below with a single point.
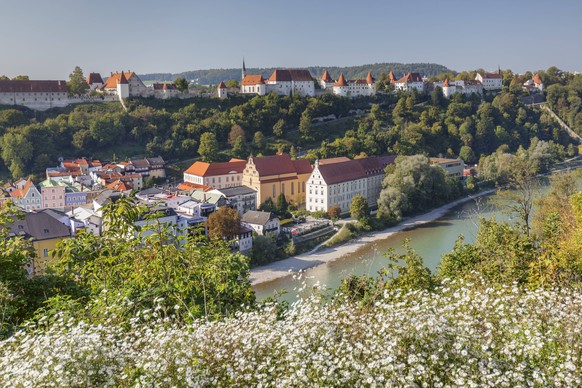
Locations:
(410, 81)
(135, 86)
(350, 88)
(38, 95)
(463, 87)
(490, 81)
(285, 82)
(336, 181)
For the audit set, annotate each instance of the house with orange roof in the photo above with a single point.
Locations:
(278, 174)
(214, 175)
(535, 84)
(285, 82)
(165, 90)
(28, 197)
(134, 85)
(253, 84)
(410, 81)
(222, 90)
(490, 81)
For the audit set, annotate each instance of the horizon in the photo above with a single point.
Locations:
(138, 36)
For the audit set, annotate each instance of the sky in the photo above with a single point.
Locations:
(47, 39)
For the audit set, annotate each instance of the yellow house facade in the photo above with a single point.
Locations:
(272, 175)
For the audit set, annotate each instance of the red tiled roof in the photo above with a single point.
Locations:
(253, 80)
(446, 83)
(333, 160)
(326, 77)
(119, 185)
(410, 77)
(213, 169)
(274, 165)
(221, 85)
(20, 193)
(348, 170)
(114, 78)
(341, 81)
(94, 78)
(188, 186)
(164, 86)
(491, 76)
(391, 77)
(302, 166)
(536, 79)
(27, 86)
(290, 75)
(369, 78)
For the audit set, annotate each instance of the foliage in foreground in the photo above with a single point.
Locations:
(461, 334)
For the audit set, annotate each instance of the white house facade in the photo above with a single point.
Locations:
(262, 223)
(410, 81)
(285, 82)
(490, 81)
(38, 95)
(354, 88)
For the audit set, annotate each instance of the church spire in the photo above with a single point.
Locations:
(244, 69)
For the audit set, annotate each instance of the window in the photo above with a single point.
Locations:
(45, 252)
(274, 191)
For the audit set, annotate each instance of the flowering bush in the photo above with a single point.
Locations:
(461, 334)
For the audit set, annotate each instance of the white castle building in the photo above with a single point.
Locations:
(410, 81)
(463, 87)
(490, 81)
(38, 95)
(349, 88)
(285, 82)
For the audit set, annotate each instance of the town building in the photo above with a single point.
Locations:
(126, 84)
(326, 82)
(453, 167)
(354, 88)
(262, 223)
(43, 232)
(240, 198)
(244, 240)
(147, 167)
(490, 81)
(273, 175)
(27, 196)
(202, 175)
(336, 181)
(222, 90)
(37, 95)
(410, 81)
(53, 194)
(94, 81)
(534, 85)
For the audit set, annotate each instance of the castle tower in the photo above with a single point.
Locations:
(447, 90)
(122, 87)
(222, 90)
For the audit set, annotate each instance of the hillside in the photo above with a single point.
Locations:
(214, 76)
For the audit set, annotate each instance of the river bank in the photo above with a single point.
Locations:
(286, 267)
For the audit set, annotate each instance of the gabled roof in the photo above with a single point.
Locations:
(21, 193)
(39, 226)
(94, 78)
(341, 81)
(537, 79)
(279, 164)
(189, 186)
(221, 85)
(255, 217)
(338, 170)
(253, 80)
(237, 190)
(491, 76)
(29, 86)
(120, 185)
(213, 169)
(326, 77)
(391, 76)
(122, 79)
(115, 78)
(280, 75)
(410, 77)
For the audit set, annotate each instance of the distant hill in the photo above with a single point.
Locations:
(214, 76)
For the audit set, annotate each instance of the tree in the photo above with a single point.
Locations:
(305, 125)
(77, 84)
(282, 204)
(437, 97)
(359, 208)
(278, 127)
(259, 140)
(21, 78)
(264, 248)
(466, 153)
(223, 224)
(334, 212)
(208, 148)
(236, 131)
(182, 84)
(17, 151)
(239, 150)
(232, 84)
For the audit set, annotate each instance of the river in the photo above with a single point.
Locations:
(430, 241)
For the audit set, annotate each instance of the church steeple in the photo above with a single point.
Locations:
(244, 69)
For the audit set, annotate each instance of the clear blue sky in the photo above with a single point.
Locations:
(47, 39)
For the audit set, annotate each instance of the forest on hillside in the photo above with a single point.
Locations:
(214, 76)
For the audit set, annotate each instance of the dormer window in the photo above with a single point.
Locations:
(46, 231)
